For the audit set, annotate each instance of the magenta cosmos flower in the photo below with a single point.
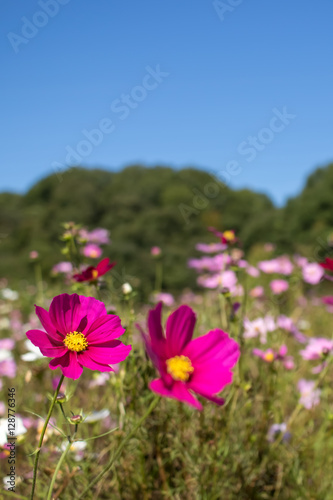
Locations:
(202, 365)
(92, 273)
(78, 333)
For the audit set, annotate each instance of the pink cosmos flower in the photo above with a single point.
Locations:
(317, 348)
(268, 266)
(92, 250)
(269, 247)
(164, 297)
(33, 255)
(202, 365)
(211, 247)
(259, 328)
(287, 324)
(327, 264)
(310, 396)
(98, 235)
(281, 265)
(79, 333)
(312, 273)
(155, 251)
(269, 356)
(62, 267)
(257, 292)
(226, 279)
(92, 273)
(279, 286)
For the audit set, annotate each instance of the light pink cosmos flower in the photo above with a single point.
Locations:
(79, 333)
(280, 265)
(300, 261)
(317, 348)
(285, 265)
(310, 396)
(287, 324)
(202, 365)
(211, 247)
(278, 286)
(226, 279)
(92, 250)
(62, 267)
(155, 251)
(268, 266)
(269, 247)
(99, 236)
(165, 298)
(312, 273)
(257, 292)
(259, 328)
(270, 355)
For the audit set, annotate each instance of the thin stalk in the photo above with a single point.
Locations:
(42, 437)
(120, 448)
(61, 459)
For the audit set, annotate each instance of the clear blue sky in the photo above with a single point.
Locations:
(227, 72)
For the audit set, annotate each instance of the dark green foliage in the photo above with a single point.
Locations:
(143, 207)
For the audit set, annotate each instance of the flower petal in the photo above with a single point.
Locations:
(110, 354)
(90, 308)
(107, 327)
(86, 360)
(47, 345)
(68, 364)
(179, 329)
(47, 324)
(215, 345)
(154, 323)
(63, 312)
(177, 391)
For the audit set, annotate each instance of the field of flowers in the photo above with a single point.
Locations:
(223, 392)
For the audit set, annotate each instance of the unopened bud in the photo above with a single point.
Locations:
(61, 398)
(75, 419)
(126, 288)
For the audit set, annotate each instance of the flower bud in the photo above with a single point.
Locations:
(61, 398)
(75, 419)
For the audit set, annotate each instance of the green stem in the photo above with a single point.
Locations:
(42, 437)
(120, 448)
(159, 276)
(39, 283)
(64, 453)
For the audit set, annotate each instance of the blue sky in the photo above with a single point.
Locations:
(188, 83)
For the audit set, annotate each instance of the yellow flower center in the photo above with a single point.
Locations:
(76, 341)
(94, 273)
(180, 368)
(229, 235)
(269, 356)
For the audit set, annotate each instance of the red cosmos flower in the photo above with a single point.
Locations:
(327, 264)
(79, 332)
(227, 237)
(93, 273)
(202, 365)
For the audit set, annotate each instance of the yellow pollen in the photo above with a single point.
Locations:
(269, 356)
(180, 368)
(94, 273)
(229, 235)
(76, 341)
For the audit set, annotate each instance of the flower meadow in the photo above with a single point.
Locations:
(222, 392)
